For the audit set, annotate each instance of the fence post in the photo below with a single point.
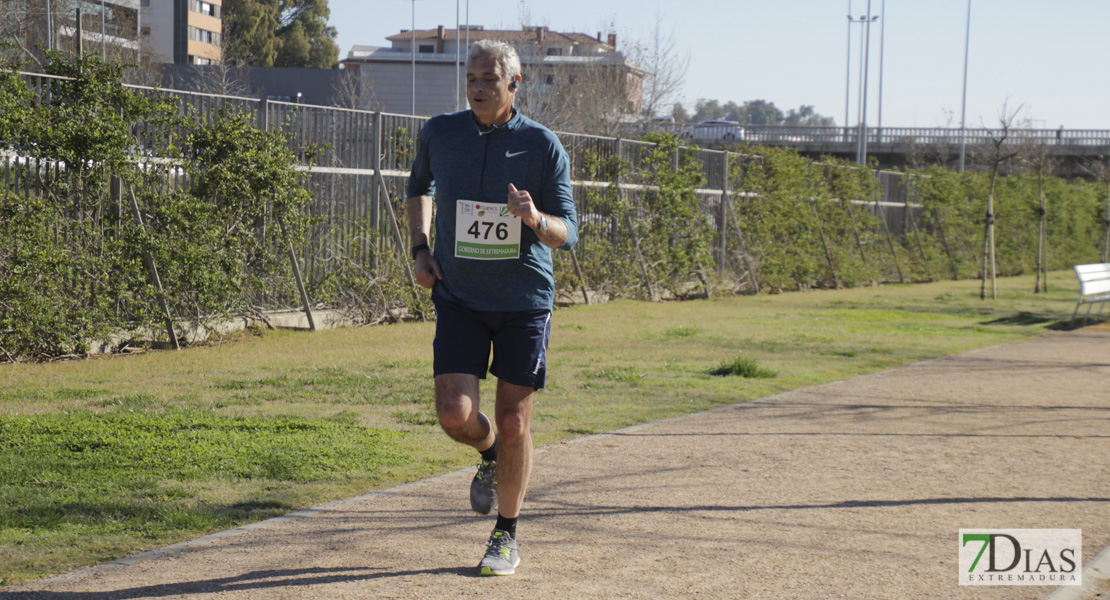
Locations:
(375, 187)
(264, 114)
(722, 218)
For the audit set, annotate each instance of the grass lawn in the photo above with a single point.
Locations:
(107, 457)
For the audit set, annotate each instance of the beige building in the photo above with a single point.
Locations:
(184, 32)
(553, 62)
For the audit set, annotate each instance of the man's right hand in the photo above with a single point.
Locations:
(427, 269)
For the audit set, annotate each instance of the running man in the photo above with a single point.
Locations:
(500, 187)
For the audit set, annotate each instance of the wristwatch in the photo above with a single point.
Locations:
(417, 248)
(543, 224)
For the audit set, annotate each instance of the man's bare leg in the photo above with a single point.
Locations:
(457, 407)
(513, 414)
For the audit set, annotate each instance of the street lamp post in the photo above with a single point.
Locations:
(49, 27)
(882, 48)
(413, 58)
(103, 36)
(458, 76)
(848, 71)
(859, 91)
(861, 154)
(848, 76)
(458, 63)
(963, 110)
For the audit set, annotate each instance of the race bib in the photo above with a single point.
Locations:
(486, 231)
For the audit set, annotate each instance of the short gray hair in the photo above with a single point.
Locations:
(501, 52)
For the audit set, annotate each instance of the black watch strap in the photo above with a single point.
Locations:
(417, 248)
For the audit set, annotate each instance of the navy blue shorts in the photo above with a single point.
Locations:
(519, 341)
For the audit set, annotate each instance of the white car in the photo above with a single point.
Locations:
(715, 129)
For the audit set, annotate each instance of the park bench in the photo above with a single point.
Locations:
(1094, 288)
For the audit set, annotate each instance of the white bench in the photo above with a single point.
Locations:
(1094, 288)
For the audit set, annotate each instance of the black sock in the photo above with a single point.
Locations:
(490, 454)
(507, 525)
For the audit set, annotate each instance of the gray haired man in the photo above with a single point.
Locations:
(498, 186)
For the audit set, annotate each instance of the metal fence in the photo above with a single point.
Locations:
(362, 159)
(792, 135)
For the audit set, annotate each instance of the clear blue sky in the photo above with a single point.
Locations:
(1051, 59)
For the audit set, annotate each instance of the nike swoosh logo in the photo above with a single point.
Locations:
(512, 154)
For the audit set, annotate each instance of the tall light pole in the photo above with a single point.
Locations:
(848, 70)
(49, 27)
(848, 67)
(458, 77)
(458, 44)
(882, 49)
(861, 155)
(413, 58)
(103, 35)
(963, 110)
(859, 92)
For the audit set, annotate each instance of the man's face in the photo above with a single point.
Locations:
(488, 92)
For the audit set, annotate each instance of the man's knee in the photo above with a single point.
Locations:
(456, 401)
(513, 425)
(452, 415)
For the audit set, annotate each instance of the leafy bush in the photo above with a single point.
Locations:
(90, 214)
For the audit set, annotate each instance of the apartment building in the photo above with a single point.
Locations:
(184, 32)
(552, 61)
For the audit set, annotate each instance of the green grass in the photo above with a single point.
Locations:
(742, 367)
(108, 457)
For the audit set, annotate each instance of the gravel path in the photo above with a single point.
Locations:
(855, 489)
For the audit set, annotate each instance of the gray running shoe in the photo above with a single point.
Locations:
(501, 555)
(483, 488)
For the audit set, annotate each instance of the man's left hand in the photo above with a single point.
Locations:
(521, 205)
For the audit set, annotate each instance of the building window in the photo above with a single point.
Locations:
(427, 49)
(555, 51)
(204, 8)
(204, 36)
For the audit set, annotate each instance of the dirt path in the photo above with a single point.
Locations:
(855, 489)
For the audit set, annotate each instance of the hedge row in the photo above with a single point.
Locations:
(86, 221)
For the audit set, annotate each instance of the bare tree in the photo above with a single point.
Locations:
(1003, 148)
(26, 26)
(595, 99)
(354, 91)
(1040, 157)
(665, 65)
(221, 78)
(147, 70)
(580, 91)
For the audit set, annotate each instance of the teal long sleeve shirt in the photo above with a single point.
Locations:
(460, 159)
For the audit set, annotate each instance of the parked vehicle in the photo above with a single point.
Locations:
(656, 124)
(714, 129)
